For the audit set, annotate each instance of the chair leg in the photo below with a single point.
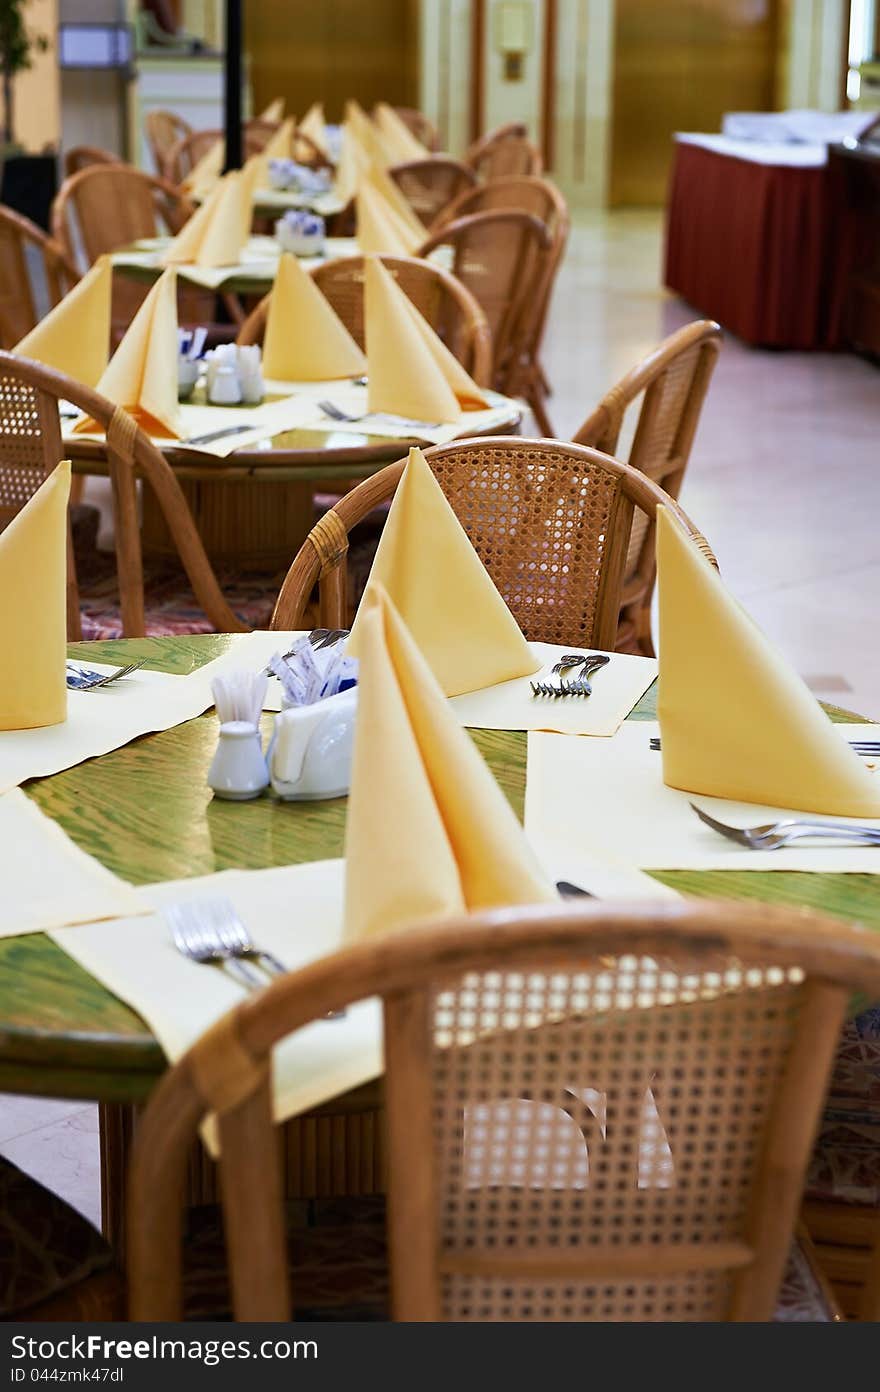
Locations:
(546, 385)
(539, 410)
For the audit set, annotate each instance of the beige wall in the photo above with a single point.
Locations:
(38, 92)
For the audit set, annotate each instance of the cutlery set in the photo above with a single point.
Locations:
(211, 933)
(867, 748)
(589, 664)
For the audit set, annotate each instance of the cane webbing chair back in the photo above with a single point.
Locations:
(31, 447)
(82, 156)
(163, 130)
(503, 152)
(448, 306)
(549, 521)
(592, 1114)
(28, 256)
(528, 192)
(504, 259)
(422, 126)
(671, 383)
(430, 185)
(108, 206)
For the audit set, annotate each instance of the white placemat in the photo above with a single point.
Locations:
(607, 798)
(352, 399)
(106, 718)
(294, 912)
(259, 260)
(47, 880)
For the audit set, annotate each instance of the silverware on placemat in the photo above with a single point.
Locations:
(84, 679)
(218, 434)
(210, 931)
(589, 663)
(867, 748)
(336, 413)
(773, 836)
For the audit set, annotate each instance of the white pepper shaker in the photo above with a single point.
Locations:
(238, 770)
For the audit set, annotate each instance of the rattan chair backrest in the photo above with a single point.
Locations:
(35, 274)
(448, 307)
(422, 126)
(82, 156)
(31, 446)
(505, 259)
(108, 206)
(550, 522)
(503, 152)
(594, 1114)
(163, 130)
(431, 185)
(671, 384)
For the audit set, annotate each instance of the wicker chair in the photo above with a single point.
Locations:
(549, 521)
(503, 152)
(672, 383)
(82, 156)
(24, 249)
(163, 130)
(31, 446)
(447, 305)
(109, 206)
(430, 185)
(508, 260)
(543, 200)
(626, 1139)
(422, 126)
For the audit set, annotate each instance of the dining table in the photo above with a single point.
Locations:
(145, 812)
(255, 507)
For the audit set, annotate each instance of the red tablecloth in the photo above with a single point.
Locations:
(751, 245)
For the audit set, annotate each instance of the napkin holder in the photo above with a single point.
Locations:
(311, 749)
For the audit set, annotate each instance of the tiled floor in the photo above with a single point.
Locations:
(783, 481)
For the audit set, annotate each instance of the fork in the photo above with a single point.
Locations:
(336, 413)
(196, 935)
(774, 835)
(85, 679)
(580, 687)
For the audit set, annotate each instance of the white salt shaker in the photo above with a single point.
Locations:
(238, 770)
(250, 374)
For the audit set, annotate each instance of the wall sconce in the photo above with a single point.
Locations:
(514, 35)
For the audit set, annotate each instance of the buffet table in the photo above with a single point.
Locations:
(749, 238)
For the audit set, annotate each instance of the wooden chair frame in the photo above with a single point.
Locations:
(130, 455)
(482, 152)
(82, 156)
(409, 272)
(322, 557)
(441, 165)
(168, 202)
(163, 129)
(60, 272)
(228, 1072)
(660, 449)
(516, 338)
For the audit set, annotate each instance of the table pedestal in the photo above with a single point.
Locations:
(243, 525)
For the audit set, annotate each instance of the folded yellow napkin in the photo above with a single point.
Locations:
(429, 833)
(351, 169)
(444, 593)
(305, 339)
(400, 143)
(254, 176)
(33, 608)
(380, 180)
(358, 124)
(74, 337)
(274, 111)
(215, 235)
(206, 171)
(142, 374)
(314, 126)
(280, 145)
(736, 721)
(411, 373)
(380, 228)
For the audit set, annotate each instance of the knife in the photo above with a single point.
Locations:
(573, 891)
(219, 434)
